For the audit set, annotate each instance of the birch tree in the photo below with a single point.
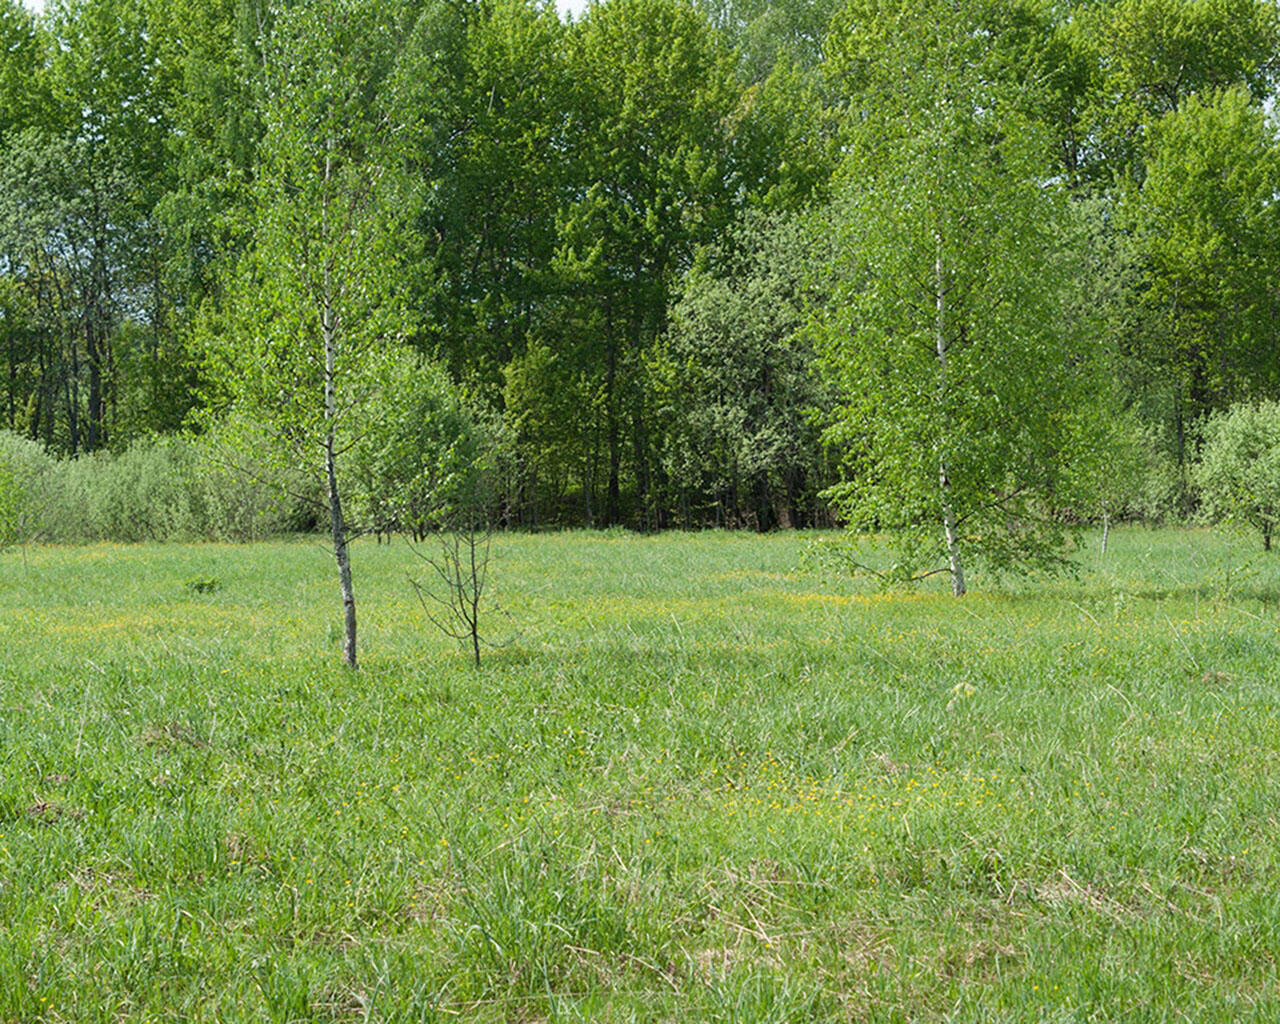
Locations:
(313, 326)
(960, 379)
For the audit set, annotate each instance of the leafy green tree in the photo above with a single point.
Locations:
(957, 378)
(114, 132)
(58, 213)
(1159, 52)
(77, 222)
(766, 32)
(314, 328)
(414, 458)
(1153, 55)
(652, 177)
(734, 395)
(1033, 41)
(1207, 244)
(24, 97)
(553, 406)
(207, 57)
(1239, 469)
(485, 88)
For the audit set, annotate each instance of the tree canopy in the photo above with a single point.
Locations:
(696, 262)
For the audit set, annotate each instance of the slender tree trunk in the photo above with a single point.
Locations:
(958, 587)
(72, 388)
(640, 447)
(944, 481)
(339, 528)
(1106, 529)
(614, 513)
(13, 382)
(44, 398)
(95, 388)
(1180, 429)
(477, 573)
(329, 328)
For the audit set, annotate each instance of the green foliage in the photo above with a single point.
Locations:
(24, 99)
(1208, 226)
(321, 270)
(78, 188)
(203, 584)
(484, 92)
(142, 494)
(12, 501)
(733, 389)
(768, 34)
(962, 389)
(1238, 475)
(415, 465)
(553, 410)
(1159, 52)
(544, 207)
(160, 489)
(28, 491)
(1149, 57)
(656, 109)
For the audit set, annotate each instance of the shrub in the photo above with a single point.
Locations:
(422, 460)
(1238, 475)
(158, 489)
(238, 498)
(27, 489)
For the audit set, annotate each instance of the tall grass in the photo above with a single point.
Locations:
(699, 783)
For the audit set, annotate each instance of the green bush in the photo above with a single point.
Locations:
(141, 494)
(27, 489)
(158, 489)
(1238, 475)
(238, 498)
(422, 462)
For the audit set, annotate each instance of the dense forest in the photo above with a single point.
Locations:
(663, 257)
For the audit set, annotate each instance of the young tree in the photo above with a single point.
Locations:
(1239, 469)
(958, 376)
(314, 326)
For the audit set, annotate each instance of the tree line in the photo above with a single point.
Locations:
(681, 262)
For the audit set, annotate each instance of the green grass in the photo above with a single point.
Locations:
(699, 784)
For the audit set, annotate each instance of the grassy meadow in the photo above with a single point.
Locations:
(700, 782)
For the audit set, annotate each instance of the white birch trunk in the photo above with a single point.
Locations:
(329, 330)
(944, 481)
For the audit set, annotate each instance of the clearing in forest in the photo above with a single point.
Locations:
(701, 782)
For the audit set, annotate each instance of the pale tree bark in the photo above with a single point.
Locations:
(339, 528)
(329, 329)
(944, 481)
